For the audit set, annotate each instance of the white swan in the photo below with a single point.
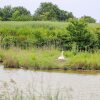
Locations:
(62, 56)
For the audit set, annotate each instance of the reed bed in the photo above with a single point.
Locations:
(47, 59)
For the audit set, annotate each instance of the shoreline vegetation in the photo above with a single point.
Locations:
(38, 44)
(46, 59)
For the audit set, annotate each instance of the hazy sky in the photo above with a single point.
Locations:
(78, 7)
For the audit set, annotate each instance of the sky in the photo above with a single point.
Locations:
(78, 7)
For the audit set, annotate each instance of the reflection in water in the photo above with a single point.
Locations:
(69, 86)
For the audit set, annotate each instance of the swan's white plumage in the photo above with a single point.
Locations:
(62, 56)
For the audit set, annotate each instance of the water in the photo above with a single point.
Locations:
(65, 86)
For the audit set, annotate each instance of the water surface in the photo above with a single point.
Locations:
(67, 85)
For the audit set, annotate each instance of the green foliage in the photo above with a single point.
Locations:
(78, 35)
(45, 12)
(21, 14)
(7, 13)
(32, 58)
(49, 11)
(84, 39)
(46, 59)
(85, 61)
(88, 19)
(17, 14)
(21, 18)
(1, 14)
(98, 36)
(32, 34)
(22, 10)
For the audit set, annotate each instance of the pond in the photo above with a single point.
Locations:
(33, 85)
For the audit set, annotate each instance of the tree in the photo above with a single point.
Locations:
(62, 15)
(17, 17)
(22, 10)
(46, 11)
(49, 11)
(80, 34)
(1, 14)
(70, 15)
(6, 13)
(20, 14)
(98, 36)
(88, 19)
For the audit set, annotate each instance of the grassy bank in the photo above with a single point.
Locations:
(46, 59)
(44, 33)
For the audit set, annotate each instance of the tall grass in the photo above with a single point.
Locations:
(85, 61)
(31, 58)
(36, 58)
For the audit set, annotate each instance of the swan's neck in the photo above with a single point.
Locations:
(62, 53)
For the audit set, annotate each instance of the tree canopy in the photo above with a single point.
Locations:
(47, 11)
(80, 34)
(6, 13)
(20, 14)
(88, 19)
(17, 13)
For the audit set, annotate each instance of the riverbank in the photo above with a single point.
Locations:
(46, 59)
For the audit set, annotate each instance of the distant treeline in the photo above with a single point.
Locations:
(46, 12)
